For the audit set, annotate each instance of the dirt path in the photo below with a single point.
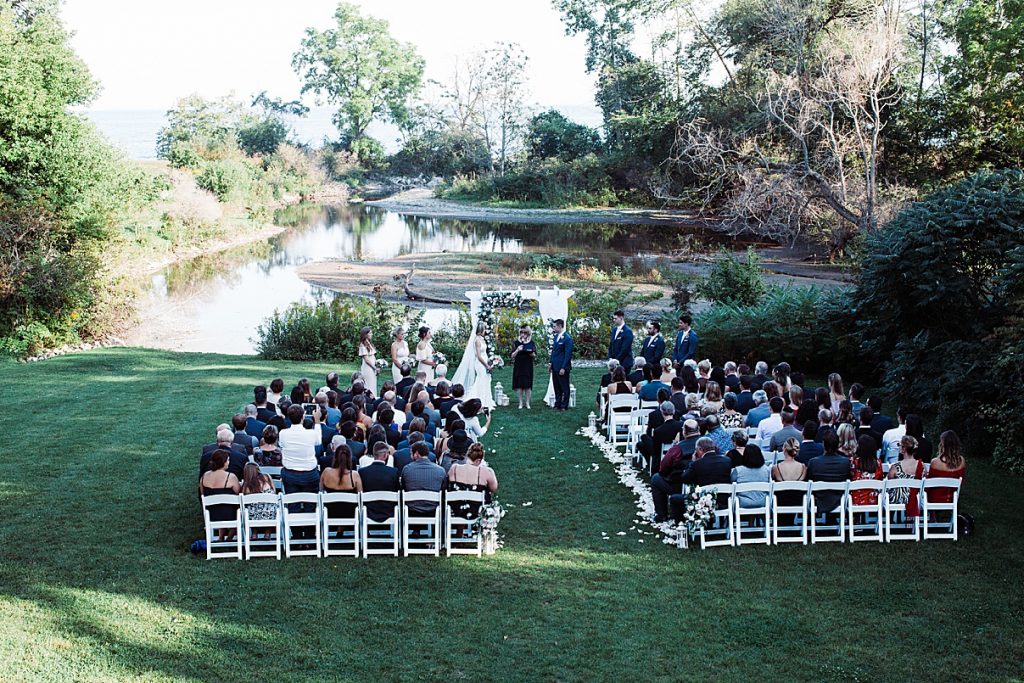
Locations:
(422, 202)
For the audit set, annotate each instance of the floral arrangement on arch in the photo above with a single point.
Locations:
(489, 303)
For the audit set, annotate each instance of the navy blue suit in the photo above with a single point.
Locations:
(653, 349)
(621, 349)
(685, 349)
(561, 359)
(379, 477)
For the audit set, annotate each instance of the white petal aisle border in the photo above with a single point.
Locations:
(630, 477)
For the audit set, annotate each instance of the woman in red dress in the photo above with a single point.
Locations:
(949, 463)
(865, 465)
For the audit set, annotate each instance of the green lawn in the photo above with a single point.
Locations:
(97, 496)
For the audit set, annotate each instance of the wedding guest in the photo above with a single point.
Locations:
(368, 354)
(732, 379)
(760, 411)
(856, 394)
(472, 475)
(455, 449)
(707, 468)
(422, 475)
(218, 481)
(340, 478)
(425, 353)
(808, 411)
(685, 347)
(865, 465)
(440, 375)
(703, 374)
(560, 364)
(730, 417)
(620, 346)
(667, 372)
(714, 431)
(950, 463)
(809, 447)
(787, 432)
(845, 414)
(712, 396)
(790, 468)
(865, 418)
(824, 424)
(612, 364)
(745, 397)
(781, 375)
(523, 356)
(399, 354)
(265, 411)
(652, 387)
(403, 455)
(739, 441)
(619, 385)
(471, 415)
(907, 467)
(830, 466)
(637, 376)
(915, 427)
(255, 482)
(836, 393)
(822, 400)
(242, 437)
(752, 469)
(225, 441)
(300, 471)
(268, 453)
(403, 385)
(653, 348)
(652, 442)
(669, 478)
(880, 423)
(773, 423)
(276, 388)
(891, 438)
(379, 476)
(796, 397)
(760, 376)
(847, 440)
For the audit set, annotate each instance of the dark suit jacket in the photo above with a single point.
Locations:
(561, 353)
(379, 477)
(245, 441)
(635, 377)
(880, 424)
(653, 349)
(236, 463)
(809, 450)
(868, 431)
(684, 349)
(448, 405)
(667, 432)
(710, 469)
(402, 388)
(254, 427)
(266, 414)
(654, 420)
(744, 402)
(757, 382)
(621, 349)
(394, 436)
(679, 401)
(828, 468)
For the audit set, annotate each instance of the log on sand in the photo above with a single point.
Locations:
(416, 296)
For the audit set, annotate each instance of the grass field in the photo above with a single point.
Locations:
(97, 497)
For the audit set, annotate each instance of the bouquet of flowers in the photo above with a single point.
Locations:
(699, 510)
(490, 514)
(440, 358)
(495, 362)
(382, 364)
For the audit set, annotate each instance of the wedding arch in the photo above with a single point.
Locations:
(552, 303)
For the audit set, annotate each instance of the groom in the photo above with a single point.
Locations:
(561, 363)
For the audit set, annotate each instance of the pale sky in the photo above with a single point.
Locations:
(146, 53)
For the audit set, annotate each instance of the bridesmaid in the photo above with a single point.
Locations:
(399, 354)
(522, 366)
(369, 355)
(425, 353)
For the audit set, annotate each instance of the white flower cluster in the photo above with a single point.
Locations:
(491, 301)
(490, 515)
(699, 510)
(630, 477)
(440, 358)
(584, 324)
(496, 362)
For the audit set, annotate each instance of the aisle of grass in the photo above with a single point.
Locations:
(98, 507)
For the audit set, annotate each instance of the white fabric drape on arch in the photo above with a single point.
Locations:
(553, 304)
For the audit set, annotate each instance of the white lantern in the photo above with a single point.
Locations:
(572, 395)
(592, 420)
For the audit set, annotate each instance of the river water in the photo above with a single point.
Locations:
(215, 303)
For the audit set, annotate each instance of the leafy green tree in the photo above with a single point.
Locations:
(199, 128)
(550, 134)
(444, 153)
(360, 68)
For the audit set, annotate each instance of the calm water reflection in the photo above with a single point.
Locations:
(215, 303)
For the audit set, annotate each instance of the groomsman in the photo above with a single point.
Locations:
(686, 342)
(654, 344)
(620, 347)
(560, 364)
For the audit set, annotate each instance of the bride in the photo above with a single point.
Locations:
(474, 371)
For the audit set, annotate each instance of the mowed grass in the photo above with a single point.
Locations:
(97, 498)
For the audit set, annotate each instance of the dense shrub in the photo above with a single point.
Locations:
(262, 135)
(550, 134)
(551, 182)
(732, 281)
(230, 179)
(442, 153)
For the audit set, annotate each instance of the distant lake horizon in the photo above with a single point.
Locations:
(135, 131)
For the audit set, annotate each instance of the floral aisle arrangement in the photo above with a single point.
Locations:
(490, 515)
(629, 477)
(489, 303)
(700, 510)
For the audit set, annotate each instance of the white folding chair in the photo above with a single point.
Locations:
(758, 516)
(871, 514)
(637, 428)
(262, 536)
(648, 406)
(380, 538)
(469, 542)
(618, 422)
(602, 403)
(722, 522)
(428, 542)
(798, 511)
(817, 527)
(225, 548)
(301, 518)
(939, 529)
(340, 535)
(275, 476)
(899, 527)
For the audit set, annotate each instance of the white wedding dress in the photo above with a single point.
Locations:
(478, 379)
(402, 353)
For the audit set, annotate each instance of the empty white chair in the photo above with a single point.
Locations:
(818, 513)
(618, 421)
(262, 531)
(757, 525)
(229, 547)
(648, 406)
(340, 534)
(937, 528)
(637, 428)
(428, 540)
(870, 514)
(380, 537)
(786, 490)
(301, 511)
(461, 534)
(720, 530)
(898, 526)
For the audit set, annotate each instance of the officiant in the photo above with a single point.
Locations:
(620, 347)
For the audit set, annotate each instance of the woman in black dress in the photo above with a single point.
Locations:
(522, 366)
